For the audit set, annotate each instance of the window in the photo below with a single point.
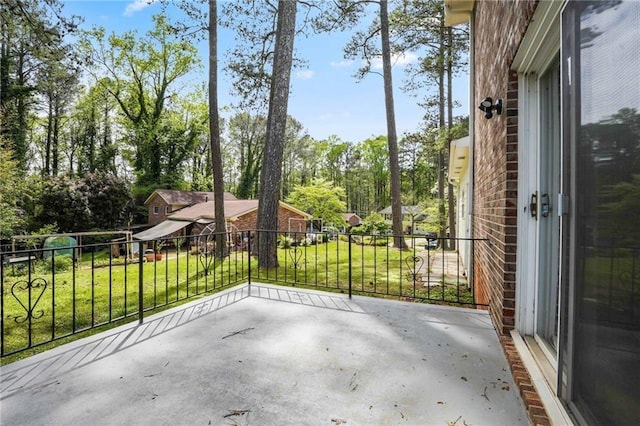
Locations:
(156, 209)
(167, 210)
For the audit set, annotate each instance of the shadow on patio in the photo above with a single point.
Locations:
(266, 355)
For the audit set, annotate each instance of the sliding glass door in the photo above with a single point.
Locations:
(601, 91)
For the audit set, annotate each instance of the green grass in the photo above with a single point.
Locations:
(375, 270)
(103, 294)
(106, 289)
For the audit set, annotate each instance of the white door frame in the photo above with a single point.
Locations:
(538, 49)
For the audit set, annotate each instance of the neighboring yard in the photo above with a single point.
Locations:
(104, 291)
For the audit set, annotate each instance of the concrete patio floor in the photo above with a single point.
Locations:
(268, 355)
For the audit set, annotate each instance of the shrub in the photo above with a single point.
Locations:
(285, 242)
(60, 263)
(305, 242)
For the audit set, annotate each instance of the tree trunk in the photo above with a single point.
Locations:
(55, 145)
(441, 155)
(392, 137)
(452, 204)
(271, 173)
(214, 132)
(47, 152)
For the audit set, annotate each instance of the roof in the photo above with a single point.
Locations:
(458, 159)
(185, 198)
(160, 230)
(457, 11)
(233, 209)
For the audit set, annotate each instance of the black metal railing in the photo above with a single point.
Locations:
(48, 295)
(370, 265)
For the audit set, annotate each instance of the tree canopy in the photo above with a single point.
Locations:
(120, 114)
(320, 199)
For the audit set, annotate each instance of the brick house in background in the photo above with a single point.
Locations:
(552, 178)
(352, 219)
(164, 201)
(242, 215)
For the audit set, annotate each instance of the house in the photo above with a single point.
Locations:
(459, 177)
(415, 215)
(164, 201)
(352, 219)
(554, 160)
(241, 215)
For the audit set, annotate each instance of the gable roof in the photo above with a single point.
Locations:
(348, 216)
(185, 198)
(233, 209)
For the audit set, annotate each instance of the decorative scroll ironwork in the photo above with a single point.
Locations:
(206, 259)
(414, 264)
(37, 284)
(295, 253)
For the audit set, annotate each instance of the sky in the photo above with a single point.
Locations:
(326, 98)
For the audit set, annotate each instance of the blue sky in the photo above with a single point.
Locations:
(326, 98)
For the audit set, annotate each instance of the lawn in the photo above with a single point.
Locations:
(102, 291)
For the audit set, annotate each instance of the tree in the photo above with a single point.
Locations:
(91, 144)
(297, 156)
(10, 184)
(373, 224)
(56, 82)
(109, 200)
(97, 201)
(31, 34)
(321, 199)
(214, 131)
(271, 174)
(141, 74)
(420, 27)
(392, 137)
(375, 155)
(247, 139)
(362, 45)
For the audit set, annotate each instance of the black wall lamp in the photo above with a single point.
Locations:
(487, 106)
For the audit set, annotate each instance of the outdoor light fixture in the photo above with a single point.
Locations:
(487, 106)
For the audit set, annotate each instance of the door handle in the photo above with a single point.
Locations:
(533, 205)
(545, 207)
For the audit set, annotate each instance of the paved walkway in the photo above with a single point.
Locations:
(274, 356)
(437, 265)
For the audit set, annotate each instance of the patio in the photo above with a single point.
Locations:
(266, 355)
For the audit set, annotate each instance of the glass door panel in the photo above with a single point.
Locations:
(604, 128)
(549, 221)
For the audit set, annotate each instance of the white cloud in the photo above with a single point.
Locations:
(400, 60)
(137, 6)
(342, 64)
(305, 74)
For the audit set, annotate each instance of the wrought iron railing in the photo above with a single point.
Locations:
(47, 296)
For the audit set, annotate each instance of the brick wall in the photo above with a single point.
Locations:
(499, 28)
(161, 204)
(250, 221)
